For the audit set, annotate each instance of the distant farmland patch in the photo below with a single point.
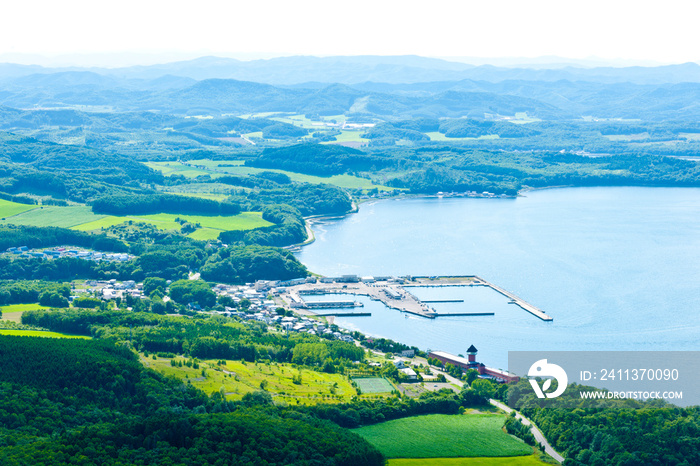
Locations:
(53, 216)
(82, 218)
(37, 333)
(13, 312)
(440, 436)
(211, 226)
(8, 209)
(507, 461)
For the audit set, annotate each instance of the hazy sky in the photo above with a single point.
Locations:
(665, 32)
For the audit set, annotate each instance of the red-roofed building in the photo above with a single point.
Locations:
(471, 363)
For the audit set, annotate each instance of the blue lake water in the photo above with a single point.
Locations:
(617, 268)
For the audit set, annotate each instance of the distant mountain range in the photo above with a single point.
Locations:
(358, 69)
(368, 86)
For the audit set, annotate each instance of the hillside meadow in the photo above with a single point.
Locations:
(82, 218)
(439, 436)
(8, 208)
(236, 378)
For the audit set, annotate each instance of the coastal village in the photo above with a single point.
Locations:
(280, 304)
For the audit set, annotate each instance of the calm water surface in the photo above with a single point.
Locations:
(617, 268)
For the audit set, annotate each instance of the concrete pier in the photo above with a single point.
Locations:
(445, 301)
(515, 300)
(396, 295)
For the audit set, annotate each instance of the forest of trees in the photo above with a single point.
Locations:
(161, 203)
(46, 237)
(35, 291)
(249, 263)
(309, 199)
(289, 228)
(319, 159)
(613, 432)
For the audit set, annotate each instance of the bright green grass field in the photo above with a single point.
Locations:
(211, 225)
(13, 312)
(239, 379)
(82, 218)
(55, 216)
(508, 461)
(10, 308)
(36, 333)
(8, 208)
(440, 436)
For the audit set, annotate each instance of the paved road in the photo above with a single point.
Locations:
(535, 431)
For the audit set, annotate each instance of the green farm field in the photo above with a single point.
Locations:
(531, 460)
(54, 216)
(237, 378)
(21, 307)
(8, 208)
(37, 333)
(13, 312)
(82, 218)
(242, 221)
(350, 136)
(440, 436)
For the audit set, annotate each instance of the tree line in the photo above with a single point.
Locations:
(319, 159)
(46, 237)
(135, 204)
(289, 228)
